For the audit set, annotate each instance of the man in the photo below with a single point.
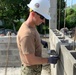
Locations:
(28, 39)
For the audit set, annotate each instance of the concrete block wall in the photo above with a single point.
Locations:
(67, 63)
(8, 44)
(67, 60)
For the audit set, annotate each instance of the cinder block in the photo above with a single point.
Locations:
(8, 46)
(67, 63)
(74, 69)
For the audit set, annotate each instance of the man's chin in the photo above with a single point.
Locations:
(38, 24)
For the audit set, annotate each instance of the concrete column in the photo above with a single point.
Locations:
(53, 13)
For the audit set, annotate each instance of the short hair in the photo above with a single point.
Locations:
(30, 10)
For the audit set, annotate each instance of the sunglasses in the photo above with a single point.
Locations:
(41, 17)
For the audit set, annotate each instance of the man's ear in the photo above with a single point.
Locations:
(33, 13)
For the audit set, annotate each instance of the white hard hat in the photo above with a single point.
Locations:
(41, 6)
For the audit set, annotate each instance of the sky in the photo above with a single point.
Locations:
(70, 2)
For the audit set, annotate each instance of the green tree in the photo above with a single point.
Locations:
(60, 13)
(70, 11)
(71, 19)
(13, 11)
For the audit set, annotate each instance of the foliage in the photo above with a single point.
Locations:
(71, 18)
(13, 10)
(60, 13)
(73, 7)
(70, 11)
(68, 14)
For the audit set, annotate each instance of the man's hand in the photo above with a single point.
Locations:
(44, 43)
(53, 56)
(53, 59)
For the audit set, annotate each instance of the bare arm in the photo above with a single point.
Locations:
(33, 60)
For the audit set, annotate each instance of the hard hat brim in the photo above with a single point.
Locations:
(47, 16)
